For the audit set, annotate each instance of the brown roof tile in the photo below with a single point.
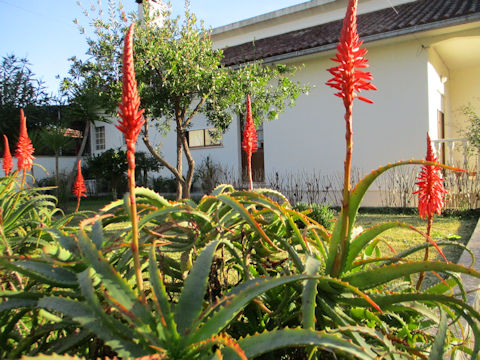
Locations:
(418, 13)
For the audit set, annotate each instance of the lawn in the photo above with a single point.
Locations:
(454, 228)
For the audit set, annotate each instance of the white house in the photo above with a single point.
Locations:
(424, 56)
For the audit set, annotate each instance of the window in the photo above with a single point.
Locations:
(100, 138)
(203, 138)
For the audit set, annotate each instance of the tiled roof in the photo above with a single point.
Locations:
(410, 17)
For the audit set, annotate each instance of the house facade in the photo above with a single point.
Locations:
(424, 56)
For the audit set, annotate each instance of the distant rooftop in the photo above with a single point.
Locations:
(407, 18)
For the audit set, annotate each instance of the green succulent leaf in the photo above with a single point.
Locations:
(42, 271)
(256, 345)
(438, 347)
(190, 303)
(370, 278)
(309, 294)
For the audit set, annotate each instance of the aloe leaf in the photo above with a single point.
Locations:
(52, 357)
(47, 273)
(180, 209)
(83, 314)
(216, 318)
(148, 196)
(17, 303)
(373, 277)
(365, 237)
(309, 294)
(438, 347)
(190, 303)
(112, 280)
(256, 345)
(222, 188)
(359, 191)
(160, 296)
(234, 204)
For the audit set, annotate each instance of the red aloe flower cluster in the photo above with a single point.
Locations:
(130, 124)
(131, 120)
(249, 143)
(24, 152)
(347, 79)
(7, 157)
(79, 189)
(430, 187)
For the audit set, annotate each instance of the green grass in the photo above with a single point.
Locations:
(455, 228)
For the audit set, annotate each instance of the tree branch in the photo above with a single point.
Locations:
(157, 156)
(194, 112)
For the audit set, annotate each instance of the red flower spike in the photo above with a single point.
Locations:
(430, 187)
(7, 157)
(131, 120)
(79, 189)
(249, 143)
(347, 79)
(24, 152)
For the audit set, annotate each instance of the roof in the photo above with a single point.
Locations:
(412, 17)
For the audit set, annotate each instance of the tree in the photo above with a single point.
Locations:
(19, 88)
(180, 76)
(473, 128)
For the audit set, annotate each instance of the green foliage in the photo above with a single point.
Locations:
(473, 128)
(322, 214)
(164, 184)
(180, 75)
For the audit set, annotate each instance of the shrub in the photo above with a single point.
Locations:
(322, 214)
(164, 184)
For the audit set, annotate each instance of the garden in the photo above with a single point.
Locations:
(240, 273)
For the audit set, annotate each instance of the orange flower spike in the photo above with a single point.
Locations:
(24, 151)
(131, 120)
(79, 189)
(130, 124)
(7, 157)
(347, 78)
(430, 187)
(249, 143)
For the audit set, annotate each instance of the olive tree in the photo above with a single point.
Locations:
(180, 75)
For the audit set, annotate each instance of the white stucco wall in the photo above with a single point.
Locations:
(311, 135)
(44, 166)
(227, 154)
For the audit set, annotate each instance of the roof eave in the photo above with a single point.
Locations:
(376, 37)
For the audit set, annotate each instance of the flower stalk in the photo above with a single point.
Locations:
(7, 157)
(79, 189)
(24, 151)
(349, 81)
(249, 143)
(431, 197)
(130, 124)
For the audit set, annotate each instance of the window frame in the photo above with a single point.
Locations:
(100, 138)
(206, 135)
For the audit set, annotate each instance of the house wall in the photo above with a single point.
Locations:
(228, 154)
(311, 135)
(296, 17)
(44, 166)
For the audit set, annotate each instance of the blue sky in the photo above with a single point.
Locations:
(44, 33)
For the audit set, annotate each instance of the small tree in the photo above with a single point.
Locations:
(180, 76)
(19, 88)
(473, 129)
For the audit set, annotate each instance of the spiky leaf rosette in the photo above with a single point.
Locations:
(131, 120)
(347, 78)
(249, 143)
(79, 189)
(24, 151)
(7, 157)
(430, 187)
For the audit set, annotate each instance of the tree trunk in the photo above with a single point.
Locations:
(157, 156)
(180, 185)
(191, 166)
